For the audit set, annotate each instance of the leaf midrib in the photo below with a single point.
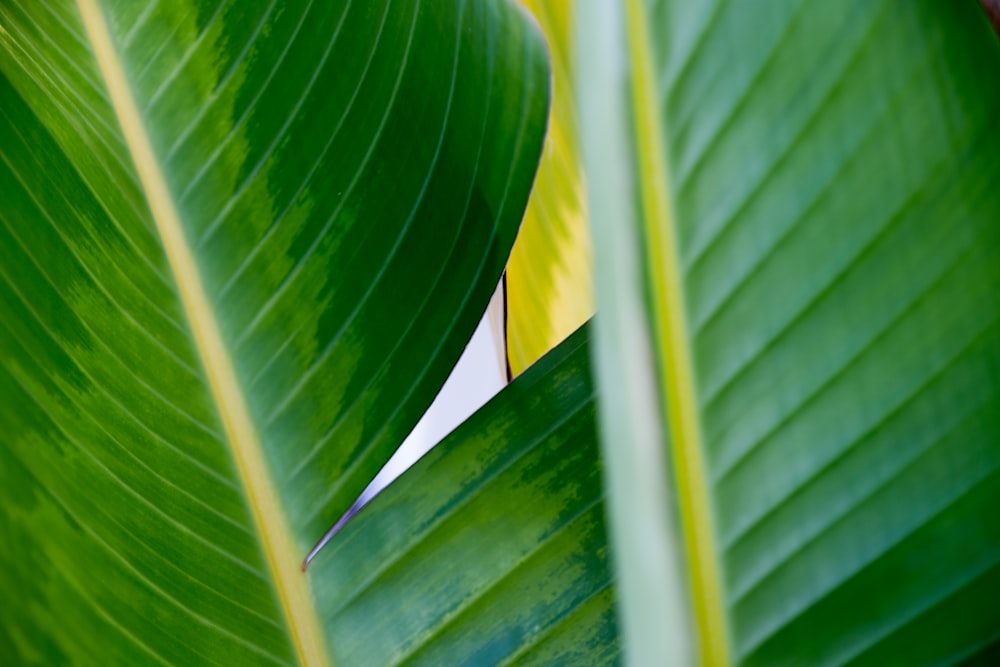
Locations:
(241, 434)
(679, 396)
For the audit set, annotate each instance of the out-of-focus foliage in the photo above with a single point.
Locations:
(807, 233)
(549, 292)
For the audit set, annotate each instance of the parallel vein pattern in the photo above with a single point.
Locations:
(169, 521)
(836, 174)
(348, 176)
(432, 574)
(226, 392)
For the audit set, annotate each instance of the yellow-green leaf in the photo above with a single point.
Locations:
(549, 277)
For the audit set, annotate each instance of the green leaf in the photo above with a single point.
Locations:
(241, 245)
(550, 274)
(795, 210)
(491, 550)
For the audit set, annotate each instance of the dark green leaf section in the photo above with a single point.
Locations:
(351, 176)
(836, 182)
(492, 549)
(354, 216)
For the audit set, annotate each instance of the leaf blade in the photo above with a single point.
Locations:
(831, 168)
(89, 292)
(532, 451)
(225, 388)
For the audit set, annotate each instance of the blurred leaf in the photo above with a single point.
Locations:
(241, 246)
(491, 550)
(811, 261)
(549, 290)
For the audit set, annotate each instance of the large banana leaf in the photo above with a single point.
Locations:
(796, 210)
(504, 514)
(241, 245)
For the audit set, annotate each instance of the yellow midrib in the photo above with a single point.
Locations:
(674, 351)
(283, 562)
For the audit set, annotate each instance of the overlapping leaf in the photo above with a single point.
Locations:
(491, 550)
(833, 207)
(347, 178)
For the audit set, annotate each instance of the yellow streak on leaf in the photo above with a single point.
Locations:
(291, 585)
(674, 352)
